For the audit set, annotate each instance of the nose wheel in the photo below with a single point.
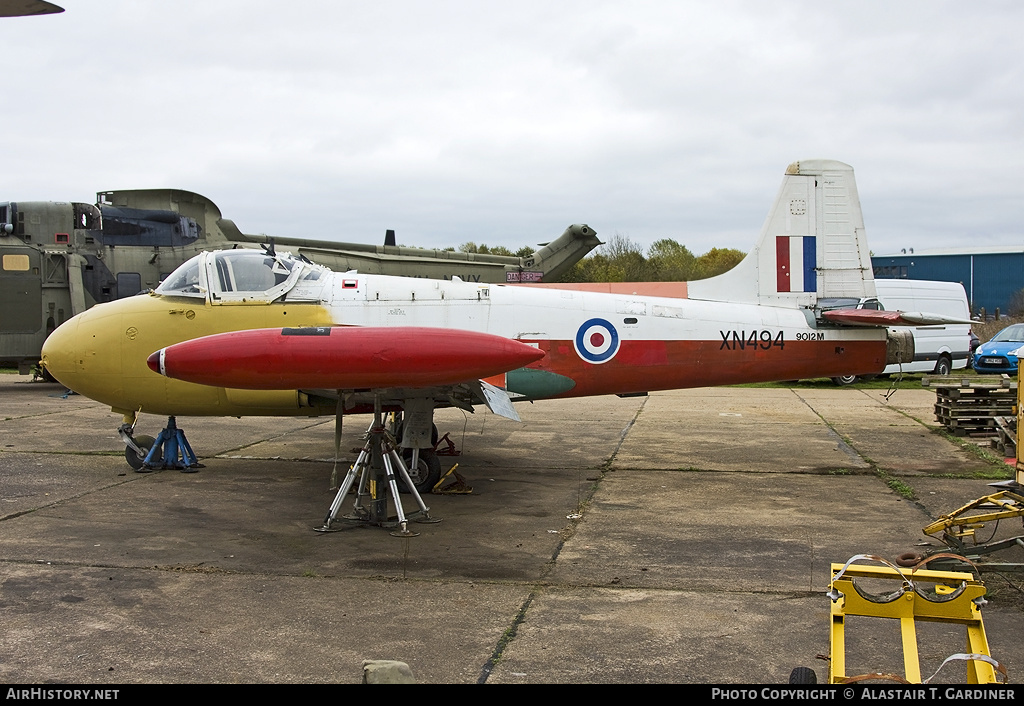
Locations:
(170, 449)
(136, 449)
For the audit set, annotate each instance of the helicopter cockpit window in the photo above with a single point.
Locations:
(185, 280)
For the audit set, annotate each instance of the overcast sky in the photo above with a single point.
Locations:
(503, 123)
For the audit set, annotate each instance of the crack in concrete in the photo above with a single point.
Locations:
(510, 633)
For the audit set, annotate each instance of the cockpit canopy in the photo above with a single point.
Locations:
(243, 275)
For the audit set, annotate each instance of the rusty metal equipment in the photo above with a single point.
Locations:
(961, 529)
(459, 486)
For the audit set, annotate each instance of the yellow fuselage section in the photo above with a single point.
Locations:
(102, 354)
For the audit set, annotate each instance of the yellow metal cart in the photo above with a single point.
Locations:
(918, 595)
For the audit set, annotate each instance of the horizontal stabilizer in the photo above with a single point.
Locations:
(873, 317)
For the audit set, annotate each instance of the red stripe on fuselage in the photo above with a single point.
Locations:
(645, 366)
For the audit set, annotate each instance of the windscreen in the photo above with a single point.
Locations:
(185, 280)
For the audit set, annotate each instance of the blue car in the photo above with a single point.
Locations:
(994, 356)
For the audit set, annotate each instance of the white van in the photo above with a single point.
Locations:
(938, 349)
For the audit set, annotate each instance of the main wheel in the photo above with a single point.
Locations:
(845, 379)
(426, 473)
(135, 460)
(944, 366)
(803, 675)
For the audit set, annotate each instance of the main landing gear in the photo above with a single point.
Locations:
(170, 449)
(379, 468)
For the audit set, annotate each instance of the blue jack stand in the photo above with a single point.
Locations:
(176, 451)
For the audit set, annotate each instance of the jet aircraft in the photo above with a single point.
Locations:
(263, 333)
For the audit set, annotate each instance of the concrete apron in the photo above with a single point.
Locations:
(707, 522)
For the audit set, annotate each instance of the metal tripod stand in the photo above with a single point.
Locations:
(378, 467)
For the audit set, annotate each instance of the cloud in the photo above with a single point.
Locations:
(455, 121)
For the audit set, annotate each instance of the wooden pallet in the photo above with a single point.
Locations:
(1006, 437)
(972, 406)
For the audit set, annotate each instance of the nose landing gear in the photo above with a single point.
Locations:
(143, 453)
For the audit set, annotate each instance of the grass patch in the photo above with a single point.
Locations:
(975, 475)
(897, 485)
(992, 475)
(1000, 469)
(877, 383)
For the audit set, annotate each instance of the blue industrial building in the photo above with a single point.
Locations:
(991, 276)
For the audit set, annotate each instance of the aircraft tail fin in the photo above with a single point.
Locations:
(812, 245)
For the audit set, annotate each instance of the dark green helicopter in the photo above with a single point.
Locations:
(60, 258)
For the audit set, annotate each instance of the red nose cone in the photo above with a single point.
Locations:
(153, 362)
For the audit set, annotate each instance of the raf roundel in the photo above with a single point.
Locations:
(597, 341)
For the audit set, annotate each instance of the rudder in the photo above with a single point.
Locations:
(812, 244)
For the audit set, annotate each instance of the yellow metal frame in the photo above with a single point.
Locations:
(1010, 504)
(1019, 475)
(954, 597)
(959, 529)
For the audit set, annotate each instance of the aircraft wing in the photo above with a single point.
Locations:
(23, 8)
(343, 358)
(873, 317)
